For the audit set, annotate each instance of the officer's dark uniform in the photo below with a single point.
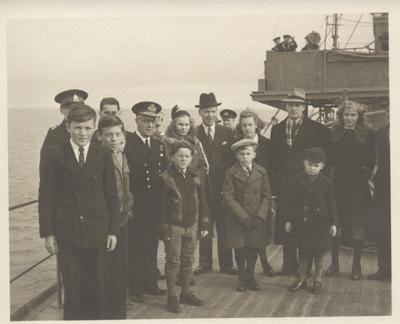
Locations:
(143, 231)
(59, 134)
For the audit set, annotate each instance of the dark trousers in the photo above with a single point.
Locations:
(246, 258)
(383, 239)
(83, 275)
(305, 265)
(142, 257)
(289, 257)
(116, 277)
(225, 255)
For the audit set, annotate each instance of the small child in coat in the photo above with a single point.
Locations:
(309, 210)
(111, 134)
(184, 216)
(247, 197)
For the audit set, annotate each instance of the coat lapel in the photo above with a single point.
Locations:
(303, 133)
(254, 175)
(70, 159)
(239, 173)
(201, 135)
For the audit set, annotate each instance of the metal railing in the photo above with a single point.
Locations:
(23, 311)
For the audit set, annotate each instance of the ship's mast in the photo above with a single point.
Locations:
(335, 35)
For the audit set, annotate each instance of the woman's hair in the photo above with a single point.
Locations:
(171, 129)
(248, 113)
(350, 104)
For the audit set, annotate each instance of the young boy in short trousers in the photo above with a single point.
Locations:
(310, 217)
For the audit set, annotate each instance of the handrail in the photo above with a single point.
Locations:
(22, 205)
(31, 267)
(59, 281)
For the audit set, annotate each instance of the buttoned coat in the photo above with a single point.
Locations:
(246, 198)
(287, 161)
(311, 210)
(220, 159)
(78, 206)
(145, 168)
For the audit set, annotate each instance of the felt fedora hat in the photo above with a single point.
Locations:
(207, 100)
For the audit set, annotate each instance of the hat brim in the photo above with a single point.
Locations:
(209, 106)
(294, 100)
(148, 114)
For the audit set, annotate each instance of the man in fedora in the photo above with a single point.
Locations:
(146, 160)
(289, 140)
(216, 141)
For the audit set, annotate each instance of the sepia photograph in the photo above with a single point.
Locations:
(197, 162)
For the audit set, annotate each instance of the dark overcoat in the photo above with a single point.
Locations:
(353, 161)
(220, 159)
(246, 198)
(311, 210)
(287, 161)
(79, 207)
(55, 135)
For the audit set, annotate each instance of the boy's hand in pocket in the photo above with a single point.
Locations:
(333, 230)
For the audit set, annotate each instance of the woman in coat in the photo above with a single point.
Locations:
(249, 127)
(353, 161)
(182, 128)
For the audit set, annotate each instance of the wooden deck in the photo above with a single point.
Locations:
(340, 296)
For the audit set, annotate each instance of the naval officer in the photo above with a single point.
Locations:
(146, 159)
(59, 134)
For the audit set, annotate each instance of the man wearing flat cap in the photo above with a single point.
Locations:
(289, 140)
(228, 118)
(216, 140)
(146, 160)
(59, 134)
(278, 45)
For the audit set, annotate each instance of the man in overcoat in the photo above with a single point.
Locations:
(146, 160)
(289, 139)
(216, 141)
(78, 214)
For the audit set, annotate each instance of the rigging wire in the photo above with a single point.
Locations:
(354, 29)
(330, 31)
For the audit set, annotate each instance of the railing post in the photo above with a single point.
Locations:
(59, 283)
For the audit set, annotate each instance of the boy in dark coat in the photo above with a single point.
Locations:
(247, 196)
(184, 214)
(110, 133)
(78, 213)
(310, 216)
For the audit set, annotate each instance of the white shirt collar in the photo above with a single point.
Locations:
(255, 138)
(212, 129)
(250, 167)
(143, 138)
(75, 148)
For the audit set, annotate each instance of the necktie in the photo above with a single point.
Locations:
(209, 142)
(147, 143)
(248, 171)
(81, 157)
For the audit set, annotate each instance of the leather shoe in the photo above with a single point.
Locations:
(298, 285)
(155, 291)
(378, 275)
(241, 286)
(173, 306)
(200, 270)
(191, 299)
(231, 271)
(252, 283)
(316, 289)
(332, 269)
(137, 298)
(268, 271)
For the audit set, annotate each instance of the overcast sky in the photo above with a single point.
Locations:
(170, 59)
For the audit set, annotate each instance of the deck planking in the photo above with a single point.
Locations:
(340, 296)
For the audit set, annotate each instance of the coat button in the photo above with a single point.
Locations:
(145, 164)
(147, 171)
(305, 208)
(317, 209)
(147, 179)
(81, 217)
(148, 186)
(305, 219)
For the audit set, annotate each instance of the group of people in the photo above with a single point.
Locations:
(107, 196)
(289, 44)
